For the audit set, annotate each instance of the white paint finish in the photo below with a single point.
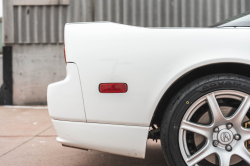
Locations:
(65, 100)
(148, 60)
(25, 107)
(117, 139)
(39, 2)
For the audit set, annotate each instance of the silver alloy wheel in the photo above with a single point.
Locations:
(227, 146)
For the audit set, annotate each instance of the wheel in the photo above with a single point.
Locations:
(207, 123)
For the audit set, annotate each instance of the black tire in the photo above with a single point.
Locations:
(177, 108)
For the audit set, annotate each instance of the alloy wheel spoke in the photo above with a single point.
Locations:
(243, 153)
(200, 155)
(215, 109)
(224, 158)
(196, 128)
(216, 132)
(245, 134)
(238, 117)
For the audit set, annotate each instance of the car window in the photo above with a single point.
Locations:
(242, 20)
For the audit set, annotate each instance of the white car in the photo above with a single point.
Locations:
(188, 87)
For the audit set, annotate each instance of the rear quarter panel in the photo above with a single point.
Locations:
(148, 60)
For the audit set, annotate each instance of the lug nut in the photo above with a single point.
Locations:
(216, 129)
(229, 126)
(216, 143)
(237, 137)
(229, 148)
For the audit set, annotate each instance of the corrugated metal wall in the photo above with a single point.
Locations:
(168, 13)
(44, 24)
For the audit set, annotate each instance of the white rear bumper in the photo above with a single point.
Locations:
(117, 139)
(66, 108)
(65, 101)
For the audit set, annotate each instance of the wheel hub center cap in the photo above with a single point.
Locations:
(225, 136)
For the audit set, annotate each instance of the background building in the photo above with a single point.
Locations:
(34, 31)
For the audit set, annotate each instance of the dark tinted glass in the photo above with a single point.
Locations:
(242, 20)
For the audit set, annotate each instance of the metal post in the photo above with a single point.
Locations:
(6, 90)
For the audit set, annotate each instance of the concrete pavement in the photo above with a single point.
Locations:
(27, 137)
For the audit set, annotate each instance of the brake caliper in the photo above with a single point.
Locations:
(247, 143)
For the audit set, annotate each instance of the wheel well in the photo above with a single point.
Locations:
(234, 68)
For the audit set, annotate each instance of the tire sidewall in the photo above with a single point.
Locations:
(183, 100)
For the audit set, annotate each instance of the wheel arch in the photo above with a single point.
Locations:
(186, 78)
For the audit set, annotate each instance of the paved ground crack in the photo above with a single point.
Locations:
(26, 141)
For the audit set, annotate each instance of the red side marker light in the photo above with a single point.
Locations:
(113, 88)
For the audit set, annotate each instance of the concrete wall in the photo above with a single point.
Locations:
(34, 67)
